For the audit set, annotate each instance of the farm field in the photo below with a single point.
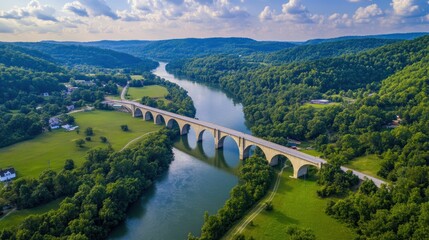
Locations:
(16, 217)
(50, 150)
(295, 203)
(152, 91)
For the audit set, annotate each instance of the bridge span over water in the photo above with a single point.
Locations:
(299, 160)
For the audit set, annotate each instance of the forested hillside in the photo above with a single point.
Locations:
(11, 55)
(324, 50)
(372, 88)
(167, 50)
(78, 56)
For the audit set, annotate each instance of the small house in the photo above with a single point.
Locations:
(45, 94)
(7, 174)
(54, 122)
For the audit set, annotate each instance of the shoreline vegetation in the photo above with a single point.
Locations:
(386, 118)
(98, 193)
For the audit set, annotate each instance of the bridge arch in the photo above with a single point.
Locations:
(126, 108)
(148, 116)
(200, 134)
(159, 120)
(173, 124)
(138, 113)
(221, 140)
(248, 150)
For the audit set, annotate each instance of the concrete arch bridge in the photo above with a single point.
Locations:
(300, 161)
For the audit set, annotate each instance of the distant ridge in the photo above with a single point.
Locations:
(398, 36)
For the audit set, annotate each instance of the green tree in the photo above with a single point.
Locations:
(79, 142)
(124, 128)
(89, 131)
(69, 164)
(103, 139)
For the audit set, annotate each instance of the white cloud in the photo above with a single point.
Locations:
(266, 14)
(33, 9)
(188, 10)
(410, 8)
(292, 11)
(76, 8)
(338, 20)
(367, 14)
(99, 8)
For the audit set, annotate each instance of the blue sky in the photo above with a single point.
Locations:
(284, 20)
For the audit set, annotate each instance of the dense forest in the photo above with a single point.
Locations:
(372, 89)
(167, 50)
(82, 57)
(322, 50)
(97, 194)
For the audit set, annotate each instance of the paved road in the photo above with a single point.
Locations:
(248, 137)
(124, 91)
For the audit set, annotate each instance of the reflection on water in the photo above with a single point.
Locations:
(198, 180)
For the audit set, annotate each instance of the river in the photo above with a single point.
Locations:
(198, 180)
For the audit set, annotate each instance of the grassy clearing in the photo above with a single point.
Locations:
(320, 106)
(296, 203)
(312, 152)
(137, 77)
(152, 91)
(18, 216)
(369, 164)
(51, 149)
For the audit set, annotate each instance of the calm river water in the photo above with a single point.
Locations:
(198, 180)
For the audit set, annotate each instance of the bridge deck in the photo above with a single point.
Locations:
(248, 137)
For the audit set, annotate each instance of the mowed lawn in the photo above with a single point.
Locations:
(51, 149)
(17, 217)
(321, 106)
(152, 91)
(369, 164)
(296, 203)
(137, 77)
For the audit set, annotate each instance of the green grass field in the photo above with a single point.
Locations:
(320, 106)
(311, 152)
(137, 77)
(152, 91)
(369, 164)
(296, 203)
(18, 216)
(51, 149)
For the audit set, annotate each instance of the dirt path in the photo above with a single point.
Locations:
(260, 207)
(134, 140)
(7, 214)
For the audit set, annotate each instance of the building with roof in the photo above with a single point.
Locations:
(7, 174)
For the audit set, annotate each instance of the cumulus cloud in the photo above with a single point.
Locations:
(99, 8)
(187, 10)
(266, 14)
(76, 8)
(410, 8)
(292, 11)
(33, 9)
(368, 13)
(340, 20)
